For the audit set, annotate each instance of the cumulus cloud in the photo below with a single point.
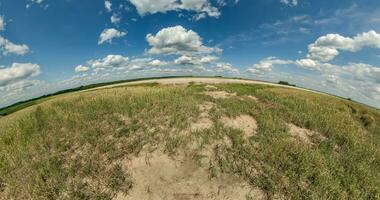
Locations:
(115, 19)
(177, 40)
(157, 63)
(327, 47)
(108, 34)
(362, 72)
(2, 23)
(109, 61)
(195, 60)
(18, 72)
(225, 67)
(81, 68)
(200, 7)
(290, 2)
(108, 6)
(266, 65)
(307, 63)
(8, 47)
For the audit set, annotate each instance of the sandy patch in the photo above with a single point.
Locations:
(304, 135)
(204, 122)
(252, 98)
(220, 94)
(201, 124)
(210, 87)
(245, 123)
(157, 176)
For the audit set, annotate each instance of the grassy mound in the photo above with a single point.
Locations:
(94, 145)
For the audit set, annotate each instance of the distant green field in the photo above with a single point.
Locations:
(76, 147)
(24, 104)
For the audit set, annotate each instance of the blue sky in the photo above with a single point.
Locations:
(49, 45)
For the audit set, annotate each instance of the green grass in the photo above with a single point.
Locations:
(74, 147)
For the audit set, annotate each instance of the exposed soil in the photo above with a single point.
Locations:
(204, 122)
(210, 87)
(305, 135)
(245, 123)
(220, 94)
(158, 176)
(252, 98)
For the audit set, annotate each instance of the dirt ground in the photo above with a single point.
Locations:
(158, 176)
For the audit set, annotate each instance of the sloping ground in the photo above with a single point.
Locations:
(191, 141)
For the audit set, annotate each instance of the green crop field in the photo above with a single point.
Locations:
(291, 144)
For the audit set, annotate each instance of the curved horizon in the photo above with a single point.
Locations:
(329, 46)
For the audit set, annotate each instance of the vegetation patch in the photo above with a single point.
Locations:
(118, 143)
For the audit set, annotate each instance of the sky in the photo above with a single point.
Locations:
(327, 45)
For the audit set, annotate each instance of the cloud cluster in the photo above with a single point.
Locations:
(8, 47)
(266, 65)
(18, 72)
(81, 68)
(110, 61)
(202, 8)
(327, 47)
(108, 34)
(290, 2)
(115, 19)
(225, 67)
(177, 40)
(358, 80)
(108, 6)
(195, 60)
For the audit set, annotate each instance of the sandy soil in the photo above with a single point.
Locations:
(220, 94)
(305, 135)
(204, 122)
(158, 176)
(245, 123)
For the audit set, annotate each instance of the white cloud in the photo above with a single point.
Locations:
(226, 67)
(8, 47)
(177, 40)
(290, 2)
(2, 23)
(109, 61)
(108, 34)
(307, 63)
(115, 19)
(37, 1)
(200, 7)
(362, 72)
(266, 65)
(108, 6)
(327, 47)
(157, 63)
(81, 68)
(195, 60)
(18, 72)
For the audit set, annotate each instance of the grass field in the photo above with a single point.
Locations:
(89, 145)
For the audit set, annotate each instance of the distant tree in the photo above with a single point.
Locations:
(286, 83)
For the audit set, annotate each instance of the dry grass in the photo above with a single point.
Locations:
(101, 144)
